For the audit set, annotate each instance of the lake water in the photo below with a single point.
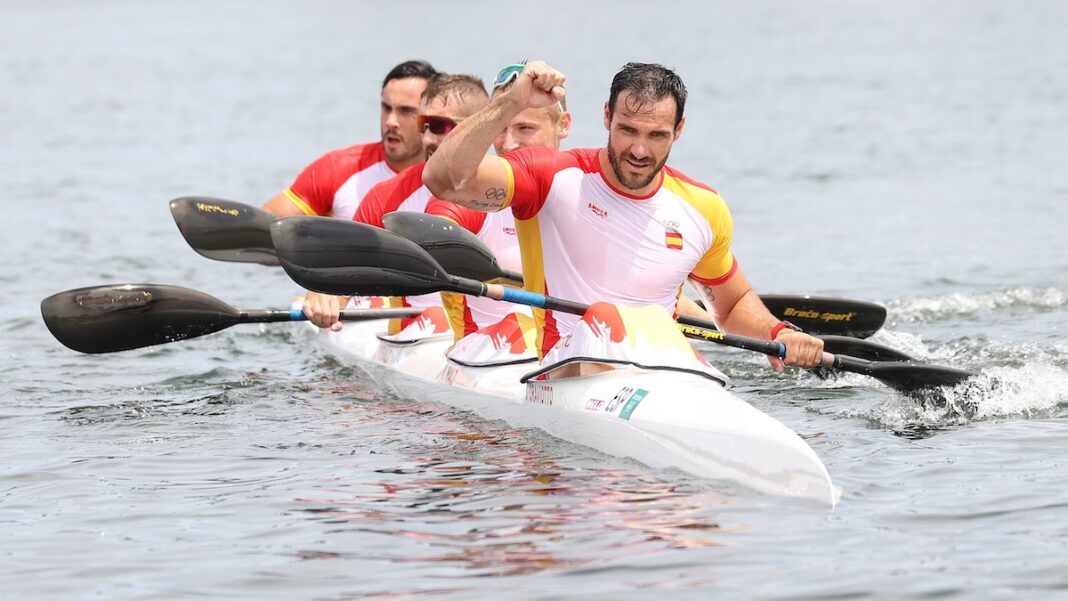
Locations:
(909, 153)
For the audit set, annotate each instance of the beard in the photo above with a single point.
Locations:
(636, 182)
(404, 151)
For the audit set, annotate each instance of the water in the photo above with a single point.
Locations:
(906, 153)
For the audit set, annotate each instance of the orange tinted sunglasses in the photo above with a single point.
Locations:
(439, 126)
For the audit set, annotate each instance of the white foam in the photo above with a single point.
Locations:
(1033, 390)
(957, 303)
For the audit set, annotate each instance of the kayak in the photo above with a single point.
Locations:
(661, 418)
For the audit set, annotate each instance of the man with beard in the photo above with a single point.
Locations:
(611, 224)
(336, 182)
(447, 100)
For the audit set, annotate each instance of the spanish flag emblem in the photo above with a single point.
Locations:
(673, 239)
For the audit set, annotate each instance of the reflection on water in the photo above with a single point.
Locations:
(521, 514)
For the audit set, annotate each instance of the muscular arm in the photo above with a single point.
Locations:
(460, 170)
(687, 306)
(737, 309)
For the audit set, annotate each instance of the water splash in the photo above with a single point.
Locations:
(1029, 391)
(959, 304)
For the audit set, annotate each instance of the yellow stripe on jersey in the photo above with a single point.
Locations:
(717, 260)
(394, 326)
(529, 234)
(303, 206)
(510, 192)
(455, 305)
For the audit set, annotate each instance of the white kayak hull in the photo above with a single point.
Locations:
(661, 418)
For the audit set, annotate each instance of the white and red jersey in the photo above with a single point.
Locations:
(403, 192)
(497, 231)
(336, 183)
(585, 241)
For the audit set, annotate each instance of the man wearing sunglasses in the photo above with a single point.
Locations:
(488, 331)
(609, 224)
(447, 100)
(335, 183)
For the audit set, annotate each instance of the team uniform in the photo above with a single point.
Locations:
(497, 231)
(583, 240)
(405, 192)
(488, 332)
(336, 183)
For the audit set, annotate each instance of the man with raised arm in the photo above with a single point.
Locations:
(610, 224)
(532, 127)
(335, 183)
(447, 100)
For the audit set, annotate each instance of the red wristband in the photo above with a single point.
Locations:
(779, 326)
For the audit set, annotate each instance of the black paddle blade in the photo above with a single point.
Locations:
(225, 230)
(457, 250)
(912, 378)
(333, 256)
(909, 377)
(855, 347)
(825, 315)
(106, 319)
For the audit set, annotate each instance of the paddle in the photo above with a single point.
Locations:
(463, 254)
(120, 317)
(457, 250)
(345, 258)
(225, 230)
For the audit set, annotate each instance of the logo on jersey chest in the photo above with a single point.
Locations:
(672, 235)
(602, 213)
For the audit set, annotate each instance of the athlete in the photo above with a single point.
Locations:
(447, 100)
(611, 224)
(335, 183)
(531, 127)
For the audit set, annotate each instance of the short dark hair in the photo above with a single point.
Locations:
(648, 82)
(465, 88)
(420, 69)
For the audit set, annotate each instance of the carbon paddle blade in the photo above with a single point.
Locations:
(911, 378)
(855, 347)
(457, 250)
(908, 377)
(826, 315)
(225, 230)
(106, 319)
(333, 256)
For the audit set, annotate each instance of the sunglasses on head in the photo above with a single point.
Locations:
(511, 73)
(508, 74)
(439, 126)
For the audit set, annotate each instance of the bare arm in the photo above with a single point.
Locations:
(737, 309)
(460, 170)
(282, 206)
(687, 306)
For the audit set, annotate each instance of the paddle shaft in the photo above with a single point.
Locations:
(277, 315)
(691, 327)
